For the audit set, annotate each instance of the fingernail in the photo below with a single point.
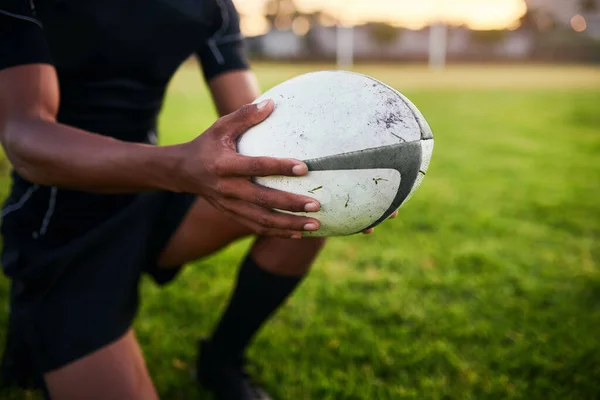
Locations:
(311, 227)
(300, 169)
(262, 104)
(296, 237)
(311, 207)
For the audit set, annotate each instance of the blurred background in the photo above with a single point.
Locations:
(418, 31)
(487, 285)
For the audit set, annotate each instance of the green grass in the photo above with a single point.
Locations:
(487, 286)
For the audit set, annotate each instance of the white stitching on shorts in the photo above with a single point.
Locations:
(51, 206)
(19, 204)
(23, 17)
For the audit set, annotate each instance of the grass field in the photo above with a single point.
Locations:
(487, 286)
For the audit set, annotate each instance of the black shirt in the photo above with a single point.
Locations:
(114, 59)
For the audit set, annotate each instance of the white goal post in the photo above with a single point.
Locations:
(345, 46)
(438, 43)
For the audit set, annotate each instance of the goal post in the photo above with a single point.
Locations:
(438, 44)
(345, 46)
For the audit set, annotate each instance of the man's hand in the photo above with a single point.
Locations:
(212, 168)
(233, 89)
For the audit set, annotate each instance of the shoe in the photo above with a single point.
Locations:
(227, 380)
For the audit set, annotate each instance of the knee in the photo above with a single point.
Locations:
(287, 256)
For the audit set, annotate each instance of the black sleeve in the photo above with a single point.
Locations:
(223, 49)
(21, 35)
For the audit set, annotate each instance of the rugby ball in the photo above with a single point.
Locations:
(366, 145)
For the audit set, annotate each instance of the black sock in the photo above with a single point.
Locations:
(258, 293)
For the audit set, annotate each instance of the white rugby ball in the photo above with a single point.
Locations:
(366, 145)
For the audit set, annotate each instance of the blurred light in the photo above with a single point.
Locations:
(413, 14)
(272, 8)
(301, 26)
(544, 22)
(578, 23)
(283, 22)
(514, 26)
(254, 25)
(247, 7)
(287, 7)
(326, 20)
(477, 14)
(413, 25)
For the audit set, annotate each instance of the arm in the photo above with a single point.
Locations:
(46, 152)
(232, 90)
(49, 153)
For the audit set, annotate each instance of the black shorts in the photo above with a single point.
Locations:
(68, 301)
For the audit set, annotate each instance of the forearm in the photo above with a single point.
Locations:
(232, 90)
(49, 153)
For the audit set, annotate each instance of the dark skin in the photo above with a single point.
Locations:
(46, 152)
(209, 166)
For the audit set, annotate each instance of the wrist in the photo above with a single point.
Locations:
(166, 168)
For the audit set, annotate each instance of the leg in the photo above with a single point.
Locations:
(117, 371)
(270, 273)
(267, 276)
(206, 230)
(286, 256)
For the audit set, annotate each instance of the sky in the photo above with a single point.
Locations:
(478, 14)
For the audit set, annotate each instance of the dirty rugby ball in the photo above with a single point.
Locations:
(366, 145)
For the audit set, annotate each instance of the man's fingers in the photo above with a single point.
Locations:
(238, 165)
(267, 219)
(257, 229)
(238, 122)
(268, 198)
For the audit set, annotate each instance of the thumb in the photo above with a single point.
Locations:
(248, 116)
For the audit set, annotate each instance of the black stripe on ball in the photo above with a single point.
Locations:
(403, 157)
